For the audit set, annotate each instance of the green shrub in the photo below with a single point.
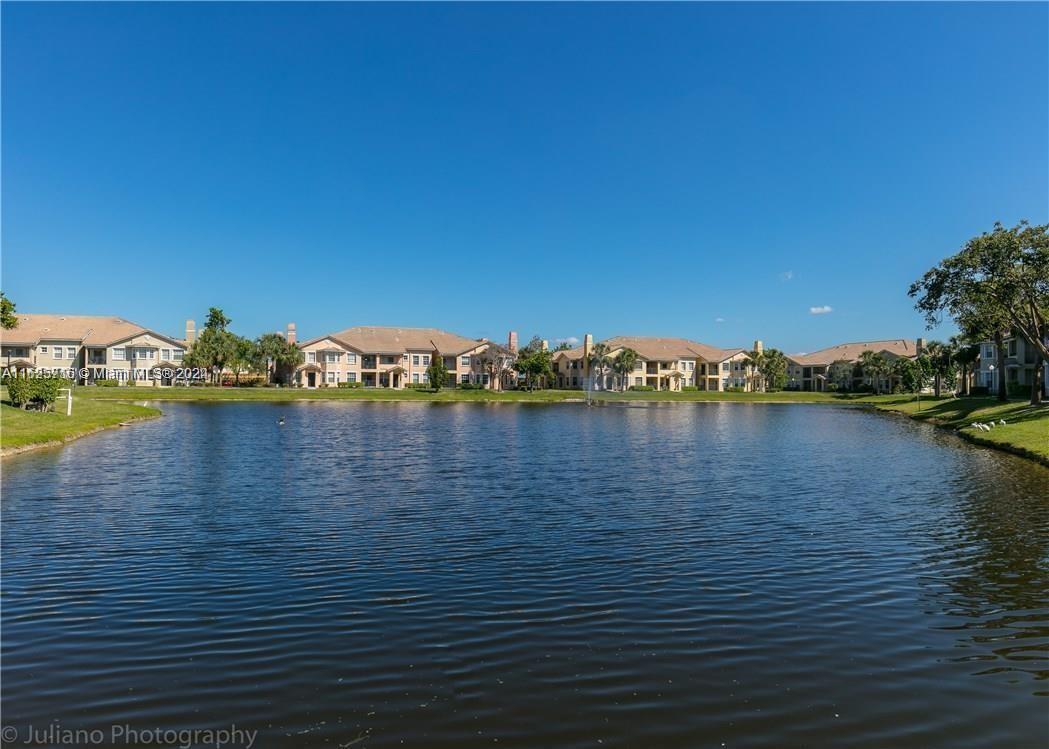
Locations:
(642, 388)
(38, 392)
(107, 383)
(418, 386)
(1017, 390)
(20, 391)
(350, 385)
(979, 390)
(689, 389)
(735, 389)
(471, 386)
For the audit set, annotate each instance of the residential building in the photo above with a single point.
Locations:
(840, 364)
(662, 364)
(90, 348)
(1021, 364)
(394, 358)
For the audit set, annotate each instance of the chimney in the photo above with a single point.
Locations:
(291, 333)
(191, 332)
(511, 342)
(588, 345)
(919, 347)
(546, 345)
(759, 347)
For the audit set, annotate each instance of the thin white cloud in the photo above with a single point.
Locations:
(826, 308)
(787, 275)
(571, 340)
(719, 319)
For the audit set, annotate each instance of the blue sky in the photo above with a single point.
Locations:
(708, 171)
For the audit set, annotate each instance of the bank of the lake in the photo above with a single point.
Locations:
(453, 395)
(1025, 431)
(26, 430)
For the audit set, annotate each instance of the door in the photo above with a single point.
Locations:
(311, 379)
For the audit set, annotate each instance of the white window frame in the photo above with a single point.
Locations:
(311, 357)
(119, 354)
(351, 358)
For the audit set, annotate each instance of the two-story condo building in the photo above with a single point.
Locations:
(662, 364)
(92, 347)
(839, 364)
(392, 358)
(1021, 365)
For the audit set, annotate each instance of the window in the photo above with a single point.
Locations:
(311, 356)
(331, 377)
(118, 354)
(351, 377)
(725, 367)
(176, 354)
(56, 352)
(351, 358)
(415, 361)
(639, 380)
(464, 378)
(70, 352)
(331, 357)
(415, 377)
(691, 366)
(165, 354)
(1012, 347)
(404, 356)
(426, 359)
(388, 360)
(426, 376)
(43, 349)
(638, 366)
(143, 353)
(465, 361)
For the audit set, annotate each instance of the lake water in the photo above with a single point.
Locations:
(467, 575)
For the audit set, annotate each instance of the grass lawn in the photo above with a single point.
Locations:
(19, 429)
(1026, 428)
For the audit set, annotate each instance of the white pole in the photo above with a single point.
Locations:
(69, 401)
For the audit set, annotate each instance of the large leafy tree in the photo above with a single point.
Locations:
(216, 347)
(495, 361)
(8, 319)
(996, 284)
(535, 363)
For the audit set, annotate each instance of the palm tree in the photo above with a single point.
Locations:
(623, 365)
(599, 359)
(875, 367)
(753, 362)
(966, 355)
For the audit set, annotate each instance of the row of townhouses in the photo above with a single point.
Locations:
(97, 347)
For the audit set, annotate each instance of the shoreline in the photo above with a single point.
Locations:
(950, 414)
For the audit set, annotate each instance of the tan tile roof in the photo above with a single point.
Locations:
(380, 340)
(91, 330)
(659, 349)
(901, 347)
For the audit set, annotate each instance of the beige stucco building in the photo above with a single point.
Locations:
(90, 348)
(391, 357)
(662, 364)
(839, 364)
